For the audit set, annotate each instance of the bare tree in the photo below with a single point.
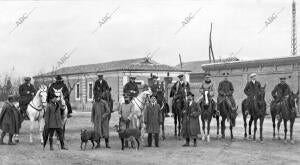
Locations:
(72, 85)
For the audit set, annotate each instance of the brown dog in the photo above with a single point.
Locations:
(127, 134)
(86, 136)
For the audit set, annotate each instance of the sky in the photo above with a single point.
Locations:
(137, 28)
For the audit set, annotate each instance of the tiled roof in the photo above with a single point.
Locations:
(138, 64)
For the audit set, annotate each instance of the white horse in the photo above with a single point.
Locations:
(139, 103)
(59, 94)
(36, 110)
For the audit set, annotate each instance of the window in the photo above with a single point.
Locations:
(77, 92)
(90, 91)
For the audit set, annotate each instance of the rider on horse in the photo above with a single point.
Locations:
(131, 89)
(100, 86)
(158, 90)
(208, 85)
(26, 92)
(59, 83)
(225, 91)
(179, 89)
(281, 91)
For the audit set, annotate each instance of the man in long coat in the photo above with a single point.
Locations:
(158, 90)
(10, 121)
(190, 121)
(59, 83)
(179, 89)
(153, 119)
(26, 92)
(252, 89)
(225, 90)
(100, 86)
(131, 89)
(100, 120)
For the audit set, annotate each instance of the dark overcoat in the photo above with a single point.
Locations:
(100, 114)
(26, 93)
(100, 87)
(53, 116)
(281, 90)
(252, 89)
(178, 89)
(152, 118)
(131, 86)
(190, 121)
(10, 119)
(225, 89)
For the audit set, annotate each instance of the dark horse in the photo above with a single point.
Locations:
(286, 111)
(178, 104)
(206, 114)
(256, 108)
(164, 107)
(227, 111)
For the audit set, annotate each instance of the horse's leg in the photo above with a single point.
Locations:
(223, 127)
(175, 123)
(250, 124)
(278, 128)
(255, 129)
(218, 124)
(231, 133)
(179, 125)
(261, 120)
(245, 125)
(41, 129)
(163, 129)
(203, 128)
(31, 130)
(208, 129)
(285, 130)
(291, 131)
(274, 125)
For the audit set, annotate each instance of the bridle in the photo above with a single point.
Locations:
(140, 101)
(42, 105)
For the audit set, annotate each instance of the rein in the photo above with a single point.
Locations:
(143, 103)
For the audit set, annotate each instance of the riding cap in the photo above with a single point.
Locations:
(132, 77)
(190, 94)
(58, 78)
(282, 78)
(181, 75)
(100, 75)
(252, 75)
(207, 75)
(27, 78)
(154, 77)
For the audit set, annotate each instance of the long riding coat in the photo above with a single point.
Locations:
(252, 89)
(130, 86)
(26, 94)
(152, 118)
(100, 87)
(190, 121)
(100, 118)
(10, 119)
(280, 91)
(225, 89)
(53, 116)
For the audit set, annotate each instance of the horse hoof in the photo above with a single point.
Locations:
(279, 138)
(17, 141)
(208, 138)
(274, 138)
(285, 141)
(292, 142)
(261, 141)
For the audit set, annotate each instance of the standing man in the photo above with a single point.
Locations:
(158, 90)
(10, 121)
(190, 121)
(208, 85)
(100, 120)
(252, 89)
(100, 86)
(225, 91)
(53, 121)
(131, 89)
(180, 89)
(59, 83)
(26, 92)
(153, 119)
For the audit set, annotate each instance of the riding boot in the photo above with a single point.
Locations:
(51, 143)
(1, 138)
(107, 143)
(156, 139)
(10, 142)
(187, 142)
(149, 139)
(195, 142)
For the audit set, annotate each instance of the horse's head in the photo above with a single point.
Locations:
(147, 91)
(293, 100)
(60, 97)
(205, 97)
(42, 94)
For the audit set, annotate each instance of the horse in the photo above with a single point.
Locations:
(256, 109)
(139, 103)
(206, 114)
(36, 110)
(226, 112)
(286, 111)
(64, 109)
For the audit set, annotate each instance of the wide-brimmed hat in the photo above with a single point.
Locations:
(27, 78)
(252, 75)
(58, 78)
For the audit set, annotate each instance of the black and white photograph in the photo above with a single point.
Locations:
(149, 82)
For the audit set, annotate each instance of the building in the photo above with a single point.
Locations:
(80, 79)
(268, 73)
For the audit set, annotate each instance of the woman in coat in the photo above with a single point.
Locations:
(190, 121)
(153, 118)
(100, 114)
(9, 120)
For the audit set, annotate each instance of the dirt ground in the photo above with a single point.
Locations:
(170, 151)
